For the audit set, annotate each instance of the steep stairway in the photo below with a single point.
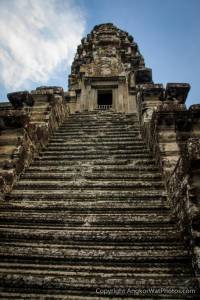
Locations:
(89, 219)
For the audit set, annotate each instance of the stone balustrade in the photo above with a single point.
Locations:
(173, 134)
(25, 128)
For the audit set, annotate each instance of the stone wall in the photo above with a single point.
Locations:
(173, 134)
(25, 127)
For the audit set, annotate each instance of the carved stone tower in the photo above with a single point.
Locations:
(105, 71)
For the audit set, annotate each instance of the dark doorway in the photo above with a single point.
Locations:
(104, 100)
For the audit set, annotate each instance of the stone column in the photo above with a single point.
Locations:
(115, 98)
(121, 87)
(92, 99)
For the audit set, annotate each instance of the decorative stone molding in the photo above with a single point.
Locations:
(25, 129)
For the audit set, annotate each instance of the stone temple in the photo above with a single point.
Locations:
(100, 185)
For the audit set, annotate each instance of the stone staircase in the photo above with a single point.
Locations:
(89, 219)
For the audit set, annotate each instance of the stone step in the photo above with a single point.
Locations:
(49, 152)
(71, 218)
(87, 193)
(65, 150)
(76, 147)
(106, 197)
(94, 161)
(104, 124)
(98, 112)
(89, 283)
(114, 130)
(97, 135)
(94, 142)
(43, 175)
(102, 159)
(107, 131)
(49, 203)
(124, 201)
(140, 227)
(101, 121)
(77, 257)
(90, 156)
(99, 126)
(100, 294)
(106, 114)
(25, 184)
(166, 268)
(97, 116)
(59, 137)
(81, 144)
(90, 234)
(115, 169)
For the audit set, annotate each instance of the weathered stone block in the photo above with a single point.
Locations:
(177, 92)
(152, 91)
(49, 90)
(143, 76)
(18, 99)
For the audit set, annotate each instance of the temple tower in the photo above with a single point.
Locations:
(105, 71)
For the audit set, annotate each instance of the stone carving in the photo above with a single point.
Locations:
(107, 50)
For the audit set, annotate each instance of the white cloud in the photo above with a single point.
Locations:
(35, 37)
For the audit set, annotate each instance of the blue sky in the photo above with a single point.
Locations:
(167, 32)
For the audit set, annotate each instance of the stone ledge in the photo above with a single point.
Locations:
(18, 99)
(48, 90)
(177, 92)
(143, 76)
(150, 90)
